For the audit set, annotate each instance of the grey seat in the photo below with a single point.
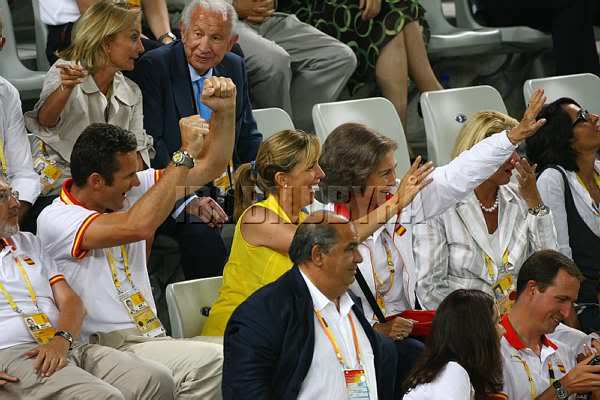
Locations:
(449, 41)
(28, 82)
(515, 37)
(272, 120)
(41, 36)
(583, 88)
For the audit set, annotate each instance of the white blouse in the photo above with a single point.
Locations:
(452, 383)
(552, 189)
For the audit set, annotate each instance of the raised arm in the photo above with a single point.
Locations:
(455, 180)
(70, 76)
(157, 16)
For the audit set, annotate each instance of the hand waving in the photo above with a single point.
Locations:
(527, 182)
(71, 75)
(529, 125)
(415, 179)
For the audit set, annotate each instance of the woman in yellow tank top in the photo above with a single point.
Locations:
(286, 171)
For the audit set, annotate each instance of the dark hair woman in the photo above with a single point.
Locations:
(462, 358)
(566, 149)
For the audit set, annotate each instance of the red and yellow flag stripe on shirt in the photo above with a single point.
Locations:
(56, 278)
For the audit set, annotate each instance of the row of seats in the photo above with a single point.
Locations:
(444, 112)
(447, 40)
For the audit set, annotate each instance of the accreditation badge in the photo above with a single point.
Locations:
(39, 327)
(356, 384)
(142, 314)
(49, 173)
(503, 288)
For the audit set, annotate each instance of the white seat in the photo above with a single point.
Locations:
(583, 88)
(272, 120)
(516, 37)
(41, 36)
(445, 112)
(189, 302)
(377, 113)
(28, 82)
(449, 41)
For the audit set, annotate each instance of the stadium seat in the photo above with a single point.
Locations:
(449, 41)
(445, 112)
(28, 82)
(189, 302)
(519, 38)
(377, 113)
(271, 121)
(584, 88)
(41, 36)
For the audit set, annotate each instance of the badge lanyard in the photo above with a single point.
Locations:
(27, 281)
(113, 268)
(532, 386)
(489, 264)
(333, 342)
(3, 159)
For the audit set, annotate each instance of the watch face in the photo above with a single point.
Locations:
(177, 158)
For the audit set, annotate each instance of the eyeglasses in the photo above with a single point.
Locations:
(582, 116)
(6, 195)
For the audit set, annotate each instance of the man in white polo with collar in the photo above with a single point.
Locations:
(40, 316)
(536, 367)
(98, 228)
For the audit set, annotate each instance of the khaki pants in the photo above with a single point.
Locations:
(93, 372)
(195, 364)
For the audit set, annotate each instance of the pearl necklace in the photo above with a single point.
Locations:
(492, 208)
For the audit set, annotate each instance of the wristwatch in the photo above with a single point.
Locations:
(167, 35)
(560, 391)
(539, 211)
(67, 336)
(182, 157)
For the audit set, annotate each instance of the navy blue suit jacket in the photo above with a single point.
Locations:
(270, 339)
(164, 78)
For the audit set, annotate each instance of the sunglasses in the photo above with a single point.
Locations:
(582, 116)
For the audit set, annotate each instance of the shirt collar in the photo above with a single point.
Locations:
(513, 339)
(65, 193)
(121, 90)
(6, 245)
(320, 301)
(194, 75)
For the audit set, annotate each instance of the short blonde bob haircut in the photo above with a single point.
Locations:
(97, 26)
(480, 126)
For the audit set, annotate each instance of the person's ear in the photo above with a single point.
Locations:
(233, 39)
(281, 179)
(316, 254)
(96, 181)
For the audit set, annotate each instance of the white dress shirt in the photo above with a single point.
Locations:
(552, 189)
(15, 145)
(452, 383)
(450, 249)
(58, 12)
(325, 378)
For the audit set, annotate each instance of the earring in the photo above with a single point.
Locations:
(285, 185)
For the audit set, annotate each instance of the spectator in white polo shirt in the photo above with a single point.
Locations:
(15, 154)
(462, 358)
(40, 316)
(536, 367)
(97, 231)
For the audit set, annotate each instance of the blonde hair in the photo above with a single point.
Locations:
(480, 126)
(97, 26)
(279, 153)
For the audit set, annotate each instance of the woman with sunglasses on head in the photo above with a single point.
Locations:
(462, 359)
(566, 150)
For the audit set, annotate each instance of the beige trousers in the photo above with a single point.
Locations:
(93, 372)
(195, 364)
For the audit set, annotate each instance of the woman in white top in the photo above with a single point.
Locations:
(86, 86)
(462, 358)
(567, 151)
(481, 242)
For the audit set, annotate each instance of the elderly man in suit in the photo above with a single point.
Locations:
(171, 79)
(305, 336)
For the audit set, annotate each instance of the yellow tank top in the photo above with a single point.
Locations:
(249, 268)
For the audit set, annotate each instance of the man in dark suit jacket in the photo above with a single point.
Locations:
(171, 79)
(274, 346)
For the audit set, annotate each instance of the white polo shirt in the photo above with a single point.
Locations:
(42, 272)
(520, 364)
(452, 382)
(58, 12)
(325, 374)
(61, 227)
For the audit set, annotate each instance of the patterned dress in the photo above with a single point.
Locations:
(341, 19)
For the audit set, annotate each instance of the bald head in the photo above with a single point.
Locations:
(318, 229)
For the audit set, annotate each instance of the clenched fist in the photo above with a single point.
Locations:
(193, 131)
(219, 94)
